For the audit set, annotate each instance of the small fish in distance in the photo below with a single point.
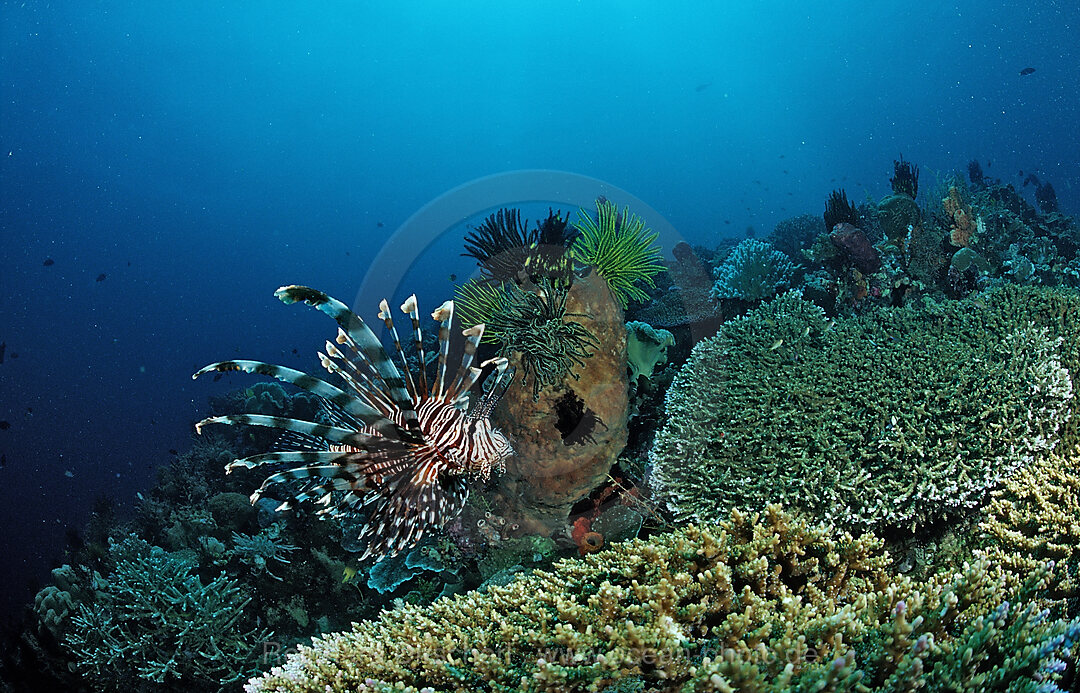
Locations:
(1026, 71)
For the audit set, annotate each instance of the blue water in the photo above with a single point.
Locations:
(202, 154)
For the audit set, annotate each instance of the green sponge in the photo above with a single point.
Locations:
(646, 348)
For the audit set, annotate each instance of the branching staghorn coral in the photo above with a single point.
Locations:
(620, 247)
(155, 621)
(896, 418)
(258, 550)
(1035, 518)
(754, 271)
(760, 602)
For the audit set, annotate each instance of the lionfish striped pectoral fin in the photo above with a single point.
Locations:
(403, 500)
(333, 434)
(408, 506)
(349, 403)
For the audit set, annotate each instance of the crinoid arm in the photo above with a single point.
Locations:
(391, 447)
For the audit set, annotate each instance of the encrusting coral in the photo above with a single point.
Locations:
(896, 418)
(760, 602)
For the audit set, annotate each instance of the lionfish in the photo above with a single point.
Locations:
(397, 449)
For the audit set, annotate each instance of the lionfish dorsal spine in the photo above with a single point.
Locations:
(362, 340)
(379, 388)
(467, 382)
(504, 375)
(444, 314)
(410, 308)
(359, 382)
(461, 383)
(362, 365)
(388, 320)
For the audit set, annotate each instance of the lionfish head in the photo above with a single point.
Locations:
(394, 448)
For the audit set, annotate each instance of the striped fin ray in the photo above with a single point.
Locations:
(336, 416)
(354, 469)
(464, 378)
(362, 366)
(288, 441)
(327, 476)
(444, 314)
(504, 376)
(360, 383)
(305, 458)
(467, 382)
(332, 434)
(346, 401)
(420, 502)
(388, 320)
(409, 308)
(365, 341)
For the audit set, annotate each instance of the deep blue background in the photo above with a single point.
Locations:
(202, 154)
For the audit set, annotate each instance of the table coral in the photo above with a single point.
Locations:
(896, 418)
